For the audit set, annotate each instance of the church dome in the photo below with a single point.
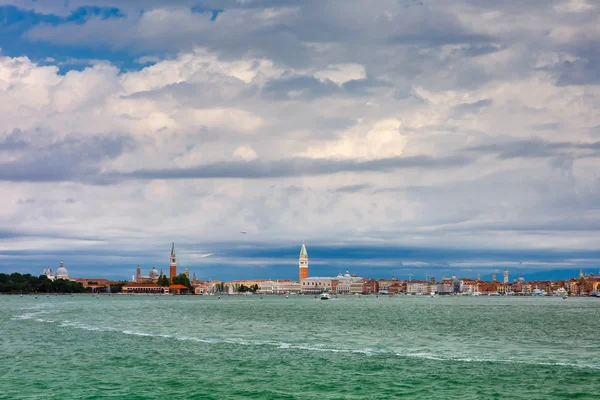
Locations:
(61, 272)
(153, 273)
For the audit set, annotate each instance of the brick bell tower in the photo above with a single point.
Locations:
(173, 266)
(303, 264)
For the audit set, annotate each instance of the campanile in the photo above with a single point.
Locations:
(303, 263)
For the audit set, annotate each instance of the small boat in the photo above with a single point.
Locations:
(565, 297)
(476, 293)
(325, 296)
(432, 294)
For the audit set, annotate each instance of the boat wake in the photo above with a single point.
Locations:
(36, 316)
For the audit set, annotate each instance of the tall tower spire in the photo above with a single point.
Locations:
(303, 263)
(505, 275)
(173, 266)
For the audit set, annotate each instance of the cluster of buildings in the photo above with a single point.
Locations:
(157, 283)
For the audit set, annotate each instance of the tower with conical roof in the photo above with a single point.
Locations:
(505, 275)
(303, 263)
(173, 266)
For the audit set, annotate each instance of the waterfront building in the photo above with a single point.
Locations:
(279, 287)
(144, 288)
(303, 264)
(443, 288)
(94, 282)
(370, 286)
(178, 289)
(173, 265)
(417, 287)
(317, 284)
(347, 283)
(203, 288)
(397, 288)
(384, 284)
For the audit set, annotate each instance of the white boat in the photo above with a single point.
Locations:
(432, 294)
(476, 294)
(560, 292)
(325, 296)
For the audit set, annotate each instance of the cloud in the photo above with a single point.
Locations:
(353, 188)
(535, 148)
(472, 108)
(71, 158)
(295, 167)
(430, 128)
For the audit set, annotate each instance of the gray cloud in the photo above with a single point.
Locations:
(71, 158)
(533, 148)
(353, 188)
(551, 126)
(583, 71)
(300, 87)
(258, 169)
(471, 108)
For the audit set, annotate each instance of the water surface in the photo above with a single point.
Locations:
(203, 347)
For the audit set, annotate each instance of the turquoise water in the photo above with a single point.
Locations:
(195, 347)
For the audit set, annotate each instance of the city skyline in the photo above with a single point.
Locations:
(324, 262)
(440, 135)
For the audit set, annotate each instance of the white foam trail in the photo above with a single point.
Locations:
(289, 346)
(429, 356)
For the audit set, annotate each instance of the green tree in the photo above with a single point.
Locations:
(181, 279)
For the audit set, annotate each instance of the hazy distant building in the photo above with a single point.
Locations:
(505, 275)
(61, 272)
(303, 264)
(187, 273)
(152, 276)
(173, 266)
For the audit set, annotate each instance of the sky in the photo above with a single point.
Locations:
(397, 137)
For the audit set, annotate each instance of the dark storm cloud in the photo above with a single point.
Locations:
(258, 169)
(72, 158)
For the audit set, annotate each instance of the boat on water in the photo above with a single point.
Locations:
(325, 296)
(476, 294)
(494, 294)
(432, 294)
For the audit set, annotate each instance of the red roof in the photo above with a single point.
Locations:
(134, 284)
(177, 287)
